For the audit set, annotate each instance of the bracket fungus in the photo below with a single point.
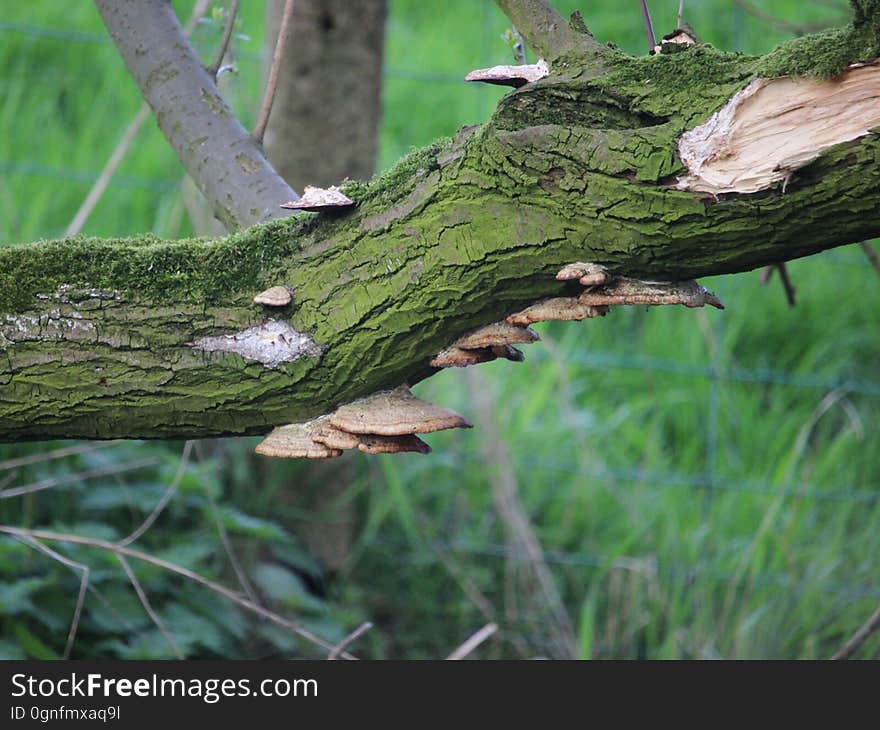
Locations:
(316, 200)
(276, 296)
(515, 76)
(651, 293)
(484, 345)
(586, 274)
(295, 441)
(563, 309)
(395, 413)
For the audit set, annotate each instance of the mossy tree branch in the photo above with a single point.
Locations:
(138, 337)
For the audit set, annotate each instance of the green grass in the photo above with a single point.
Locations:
(702, 483)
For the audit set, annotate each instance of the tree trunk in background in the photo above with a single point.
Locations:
(329, 95)
(329, 101)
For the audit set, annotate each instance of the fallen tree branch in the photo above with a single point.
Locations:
(164, 338)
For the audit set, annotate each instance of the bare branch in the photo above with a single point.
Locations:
(872, 255)
(787, 284)
(679, 17)
(222, 590)
(145, 602)
(83, 586)
(128, 136)
(100, 185)
(649, 26)
(274, 73)
(859, 637)
(216, 150)
(545, 30)
(348, 640)
(473, 642)
(54, 454)
(50, 482)
(231, 14)
(166, 497)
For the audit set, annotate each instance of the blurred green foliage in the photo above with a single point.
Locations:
(702, 484)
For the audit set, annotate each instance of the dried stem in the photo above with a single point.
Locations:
(680, 16)
(274, 73)
(348, 640)
(872, 255)
(784, 25)
(145, 602)
(83, 586)
(166, 497)
(860, 637)
(237, 567)
(54, 454)
(214, 68)
(787, 285)
(79, 476)
(222, 590)
(473, 642)
(649, 26)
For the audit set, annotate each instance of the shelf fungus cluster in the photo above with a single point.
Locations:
(486, 344)
(388, 422)
(383, 423)
(603, 291)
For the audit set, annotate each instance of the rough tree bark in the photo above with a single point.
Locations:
(128, 338)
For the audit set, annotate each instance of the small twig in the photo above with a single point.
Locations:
(787, 285)
(678, 19)
(79, 476)
(177, 570)
(54, 454)
(227, 546)
(145, 602)
(128, 136)
(214, 68)
(473, 642)
(166, 497)
(796, 28)
(83, 586)
(350, 639)
(872, 255)
(274, 73)
(860, 637)
(649, 26)
(103, 181)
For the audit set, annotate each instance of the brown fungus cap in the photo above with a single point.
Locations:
(334, 438)
(456, 357)
(633, 291)
(564, 309)
(500, 333)
(395, 413)
(586, 274)
(295, 441)
(276, 296)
